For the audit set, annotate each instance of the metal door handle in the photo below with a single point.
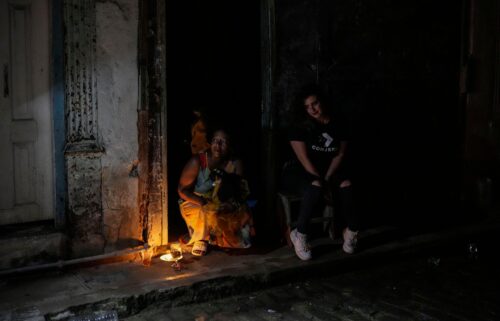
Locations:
(6, 80)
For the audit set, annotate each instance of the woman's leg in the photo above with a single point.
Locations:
(297, 181)
(195, 220)
(346, 205)
(310, 198)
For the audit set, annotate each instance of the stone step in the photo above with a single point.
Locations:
(29, 245)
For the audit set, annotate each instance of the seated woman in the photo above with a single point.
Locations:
(319, 142)
(213, 193)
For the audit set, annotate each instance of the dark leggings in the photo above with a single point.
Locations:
(297, 181)
(345, 200)
(313, 196)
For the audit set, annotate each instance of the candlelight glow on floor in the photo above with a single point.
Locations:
(167, 257)
(180, 276)
(174, 255)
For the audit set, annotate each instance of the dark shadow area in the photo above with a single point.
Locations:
(325, 249)
(392, 71)
(27, 229)
(213, 65)
(405, 115)
(260, 246)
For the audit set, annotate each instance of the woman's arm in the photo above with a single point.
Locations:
(238, 167)
(187, 181)
(300, 151)
(238, 170)
(336, 161)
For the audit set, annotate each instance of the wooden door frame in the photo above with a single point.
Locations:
(269, 121)
(153, 188)
(268, 117)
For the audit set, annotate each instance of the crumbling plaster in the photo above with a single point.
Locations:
(117, 87)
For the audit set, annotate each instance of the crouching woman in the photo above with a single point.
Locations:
(213, 198)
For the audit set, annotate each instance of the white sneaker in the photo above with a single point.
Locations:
(299, 241)
(350, 240)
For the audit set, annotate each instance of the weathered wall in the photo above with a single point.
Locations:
(481, 100)
(82, 150)
(392, 69)
(117, 83)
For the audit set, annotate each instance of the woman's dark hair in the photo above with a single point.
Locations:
(211, 132)
(217, 122)
(299, 111)
(232, 148)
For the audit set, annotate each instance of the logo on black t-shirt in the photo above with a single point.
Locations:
(326, 140)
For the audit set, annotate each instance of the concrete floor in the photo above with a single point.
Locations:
(445, 288)
(130, 287)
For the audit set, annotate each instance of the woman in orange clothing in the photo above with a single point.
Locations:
(213, 198)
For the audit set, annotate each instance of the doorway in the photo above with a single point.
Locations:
(26, 158)
(213, 64)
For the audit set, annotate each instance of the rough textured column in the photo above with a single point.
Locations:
(83, 151)
(81, 97)
(151, 122)
(268, 121)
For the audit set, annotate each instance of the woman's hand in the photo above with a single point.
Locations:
(203, 201)
(335, 163)
(300, 151)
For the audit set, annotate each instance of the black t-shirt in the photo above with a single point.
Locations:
(322, 142)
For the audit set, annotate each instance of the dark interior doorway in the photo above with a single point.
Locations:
(213, 63)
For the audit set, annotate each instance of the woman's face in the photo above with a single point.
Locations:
(220, 144)
(313, 107)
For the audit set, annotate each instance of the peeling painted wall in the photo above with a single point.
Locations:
(117, 83)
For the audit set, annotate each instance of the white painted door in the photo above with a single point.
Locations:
(26, 157)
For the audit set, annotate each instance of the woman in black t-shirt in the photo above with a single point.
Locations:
(320, 144)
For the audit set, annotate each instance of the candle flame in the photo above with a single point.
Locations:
(167, 257)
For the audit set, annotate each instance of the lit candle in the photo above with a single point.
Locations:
(167, 257)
